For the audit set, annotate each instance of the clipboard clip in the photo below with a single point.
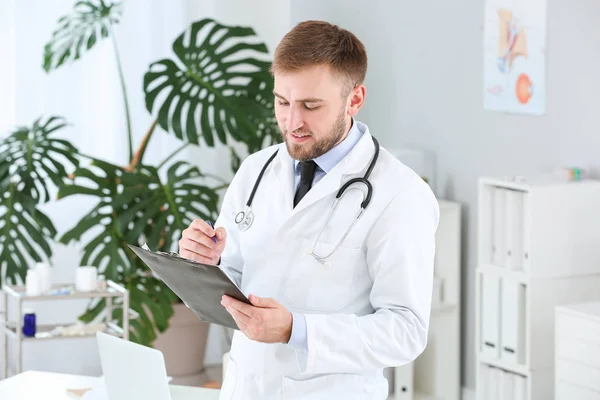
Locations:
(170, 253)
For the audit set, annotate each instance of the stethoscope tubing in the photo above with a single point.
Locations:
(244, 218)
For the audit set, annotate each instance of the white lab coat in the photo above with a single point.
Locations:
(367, 309)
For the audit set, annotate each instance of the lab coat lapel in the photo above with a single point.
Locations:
(284, 171)
(354, 163)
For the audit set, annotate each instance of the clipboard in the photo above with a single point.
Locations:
(199, 286)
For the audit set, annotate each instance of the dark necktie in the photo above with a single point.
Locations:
(306, 177)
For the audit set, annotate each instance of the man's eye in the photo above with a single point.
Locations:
(283, 103)
(311, 108)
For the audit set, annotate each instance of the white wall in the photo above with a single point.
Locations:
(424, 89)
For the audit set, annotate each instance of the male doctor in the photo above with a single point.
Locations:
(335, 299)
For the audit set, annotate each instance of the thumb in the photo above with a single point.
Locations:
(220, 233)
(262, 302)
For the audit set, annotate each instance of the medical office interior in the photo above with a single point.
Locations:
(493, 102)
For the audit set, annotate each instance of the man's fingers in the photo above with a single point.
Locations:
(239, 317)
(244, 308)
(196, 257)
(262, 302)
(243, 327)
(201, 225)
(221, 234)
(198, 248)
(199, 237)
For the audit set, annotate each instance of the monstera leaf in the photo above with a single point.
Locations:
(258, 101)
(206, 92)
(25, 233)
(162, 211)
(79, 31)
(133, 206)
(34, 158)
(105, 249)
(268, 132)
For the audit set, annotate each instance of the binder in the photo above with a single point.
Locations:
(514, 229)
(486, 378)
(520, 388)
(490, 316)
(498, 226)
(495, 389)
(508, 386)
(501, 393)
(404, 382)
(512, 337)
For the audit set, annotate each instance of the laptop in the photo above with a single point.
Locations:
(132, 371)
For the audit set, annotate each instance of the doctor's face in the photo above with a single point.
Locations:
(313, 108)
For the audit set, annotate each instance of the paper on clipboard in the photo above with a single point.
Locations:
(199, 286)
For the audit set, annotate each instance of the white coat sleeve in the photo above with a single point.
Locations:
(400, 252)
(231, 259)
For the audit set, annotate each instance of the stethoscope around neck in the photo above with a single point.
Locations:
(245, 218)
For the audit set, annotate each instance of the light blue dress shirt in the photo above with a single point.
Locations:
(325, 163)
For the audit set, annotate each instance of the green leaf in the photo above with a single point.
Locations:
(25, 234)
(33, 158)
(79, 31)
(236, 160)
(178, 202)
(130, 206)
(206, 90)
(257, 98)
(93, 311)
(105, 248)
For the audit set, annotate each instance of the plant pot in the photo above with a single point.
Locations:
(183, 345)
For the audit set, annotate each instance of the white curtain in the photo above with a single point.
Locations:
(88, 94)
(7, 66)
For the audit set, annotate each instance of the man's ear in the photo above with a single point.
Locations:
(357, 99)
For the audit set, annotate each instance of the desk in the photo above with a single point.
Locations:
(34, 385)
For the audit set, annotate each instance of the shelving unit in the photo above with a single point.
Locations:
(538, 247)
(13, 329)
(435, 375)
(577, 349)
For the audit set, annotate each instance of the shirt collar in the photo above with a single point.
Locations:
(327, 161)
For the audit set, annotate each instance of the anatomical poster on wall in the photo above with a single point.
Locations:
(515, 56)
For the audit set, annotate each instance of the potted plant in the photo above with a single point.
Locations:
(216, 89)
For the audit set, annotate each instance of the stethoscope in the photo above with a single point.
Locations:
(245, 218)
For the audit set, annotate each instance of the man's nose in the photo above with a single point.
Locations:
(295, 119)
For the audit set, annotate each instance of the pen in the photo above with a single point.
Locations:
(214, 238)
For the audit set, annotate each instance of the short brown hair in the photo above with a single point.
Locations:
(313, 43)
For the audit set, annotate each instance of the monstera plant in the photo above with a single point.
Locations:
(216, 88)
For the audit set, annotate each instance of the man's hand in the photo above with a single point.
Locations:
(197, 243)
(264, 321)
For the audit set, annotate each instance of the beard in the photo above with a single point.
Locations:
(315, 147)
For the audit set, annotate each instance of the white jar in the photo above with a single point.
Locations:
(44, 276)
(32, 283)
(86, 279)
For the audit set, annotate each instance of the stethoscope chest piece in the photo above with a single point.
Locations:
(244, 219)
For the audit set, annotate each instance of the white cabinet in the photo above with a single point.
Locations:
(577, 351)
(435, 374)
(538, 247)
